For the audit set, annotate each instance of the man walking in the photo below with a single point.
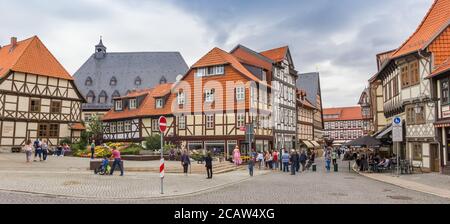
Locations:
(334, 157)
(209, 166)
(285, 160)
(251, 163)
(303, 159)
(293, 161)
(37, 150)
(117, 161)
(328, 159)
(185, 162)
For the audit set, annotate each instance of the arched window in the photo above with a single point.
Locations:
(163, 80)
(102, 97)
(116, 94)
(113, 81)
(90, 97)
(138, 81)
(88, 81)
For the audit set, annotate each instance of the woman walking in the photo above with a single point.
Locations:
(28, 149)
(275, 161)
(185, 162)
(117, 161)
(237, 156)
(328, 160)
(209, 166)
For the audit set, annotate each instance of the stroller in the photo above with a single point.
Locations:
(103, 169)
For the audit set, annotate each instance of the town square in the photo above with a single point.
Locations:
(177, 102)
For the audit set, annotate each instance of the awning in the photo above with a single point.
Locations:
(308, 144)
(316, 145)
(381, 134)
(442, 124)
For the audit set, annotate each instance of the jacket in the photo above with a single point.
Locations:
(185, 160)
(208, 161)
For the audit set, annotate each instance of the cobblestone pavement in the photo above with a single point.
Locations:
(318, 187)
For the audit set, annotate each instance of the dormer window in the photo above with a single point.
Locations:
(116, 94)
(133, 104)
(103, 97)
(159, 103)
(210, 71)
(90, 97)
(138, 81)
(113, 81)
(181, 98)
(119, 105)
(88, 81)
(209, 95)
(163, 80)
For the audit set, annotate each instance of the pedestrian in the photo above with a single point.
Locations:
(285, 160)
(297, 161)
(37, 150)
(92, 149)
(237, 156)
(209, 165)
(334, 157)
(28, 149)
(260, 159)
(328, 160)
(270, 160)
(185, 162)
(44, 148)
(275, 160)
(303, 159)
(339, 153)
(117, 161)
(59, 150)
(251, 163)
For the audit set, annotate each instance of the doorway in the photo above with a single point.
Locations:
(434, 158)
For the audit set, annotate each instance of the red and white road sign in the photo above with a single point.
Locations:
(161, 168)
(162, 124)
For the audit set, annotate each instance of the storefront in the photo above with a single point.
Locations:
(216, 147)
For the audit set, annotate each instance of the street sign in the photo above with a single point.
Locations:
(162, 124)
(397, 130)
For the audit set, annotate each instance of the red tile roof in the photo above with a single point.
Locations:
(77, 126)
(31, 56)
(343, 113)
(148, 105)
(437, 18)
(277, 54)
(444, 67)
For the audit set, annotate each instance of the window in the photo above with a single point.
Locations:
(127, 126)
(209, 121)
(43, 131)
(209, 95)
(159, 103)
(120, 126)
(240, 120)
(220, 70)
(414, 118)
(417, 151)
(138, 81)
(163, 80)
(181, 98)
(420, 117)
(55, 107)
(35, 105)
(90, 97)
(119, 105)
(88, 81)
(240, 93)
(133, 104)
(445, 91)
(113, 127)
(201, 72)
(404, 75)
(53, 131)
(395, 85)
(102, 98)
(410, 74)
(113, 81)
(116, 94)
(210, 71)
(155, 125)
(182, 122)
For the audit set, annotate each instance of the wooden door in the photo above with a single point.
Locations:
(434, 158)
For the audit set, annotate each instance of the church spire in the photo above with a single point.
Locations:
(100, 49)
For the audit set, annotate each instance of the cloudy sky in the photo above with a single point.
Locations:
(339, 38)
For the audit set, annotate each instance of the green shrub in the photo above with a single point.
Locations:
(153, 142)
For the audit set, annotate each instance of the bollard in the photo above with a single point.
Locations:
(314, 167)
(336, 169)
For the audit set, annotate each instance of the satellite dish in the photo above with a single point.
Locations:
(179, 77)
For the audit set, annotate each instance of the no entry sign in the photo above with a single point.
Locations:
(162, 124)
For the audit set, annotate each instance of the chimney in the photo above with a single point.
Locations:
(13, 42)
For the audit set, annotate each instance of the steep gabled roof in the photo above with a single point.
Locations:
(444, 67)
(148, 106)
(31, 56)
(437, 18)
(218, 56)
(277, 54)
(310, 83)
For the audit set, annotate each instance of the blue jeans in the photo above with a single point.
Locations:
(117, 162)
(328, 166)
(250, 170)
(275, 165)
(293, 167)
(285, 167)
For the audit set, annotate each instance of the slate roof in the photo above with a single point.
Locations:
(150, 67)
(310, 83)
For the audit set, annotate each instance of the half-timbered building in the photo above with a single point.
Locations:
(215, 101)
(38, 97)
(407, 92)
(305, 121)
(135, 116)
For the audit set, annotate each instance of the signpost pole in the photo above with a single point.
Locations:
(162, 163)
(398, 158)
(397, 138)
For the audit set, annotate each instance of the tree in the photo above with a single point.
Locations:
(153, 142)
(95, 128)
